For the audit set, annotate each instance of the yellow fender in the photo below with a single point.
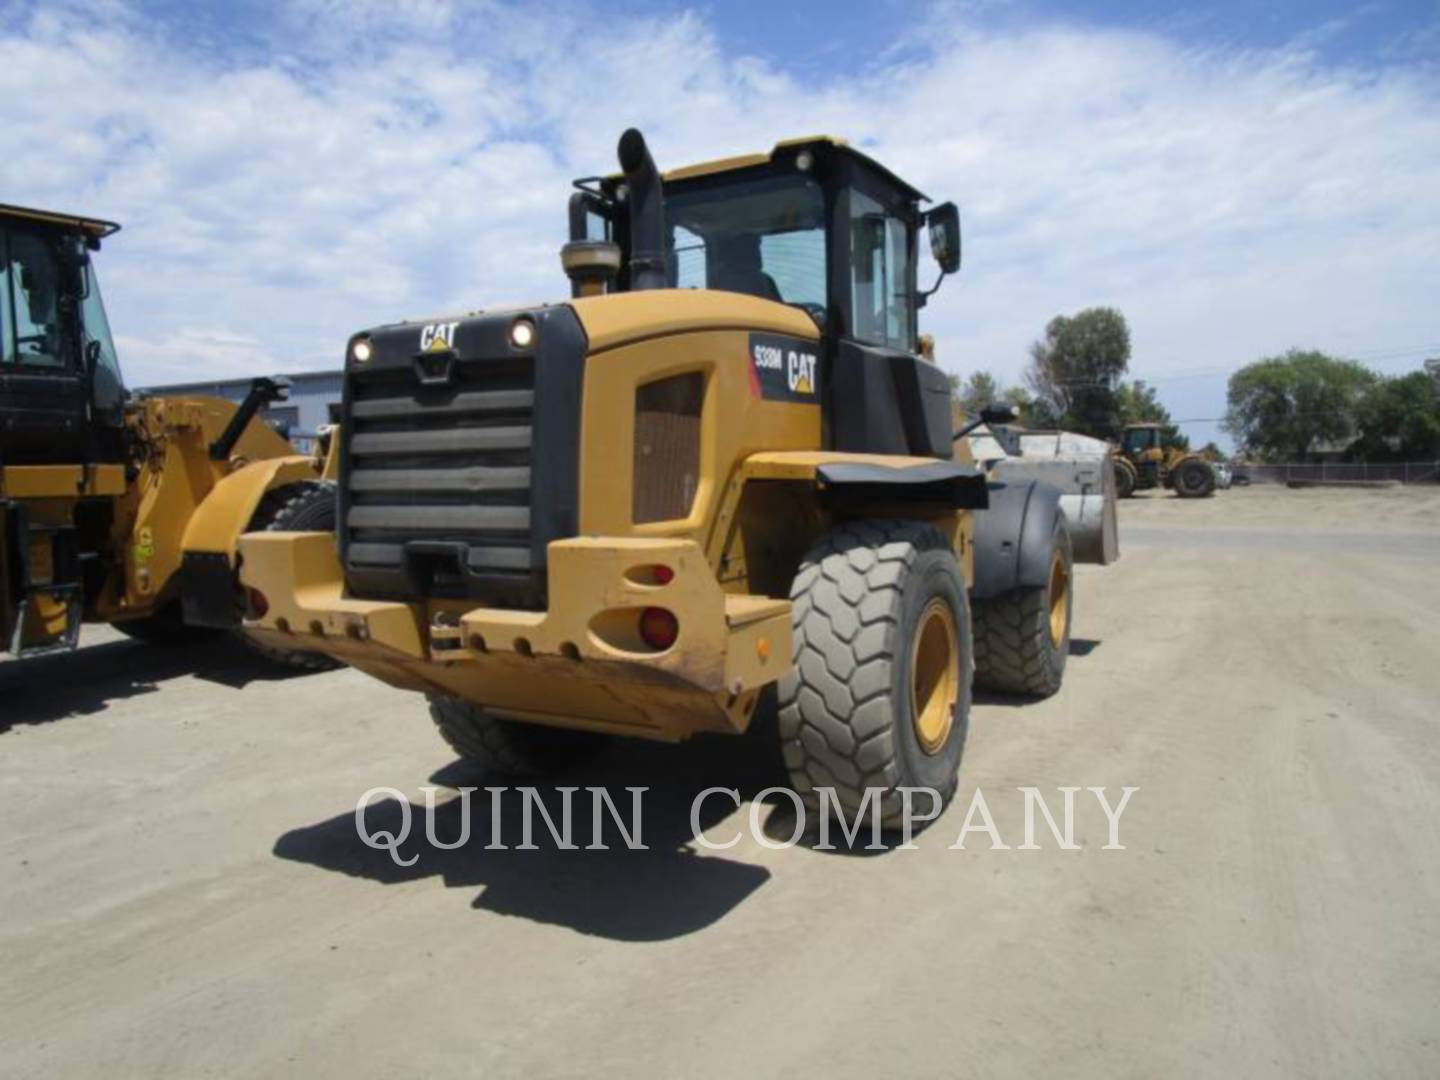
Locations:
(224, 515)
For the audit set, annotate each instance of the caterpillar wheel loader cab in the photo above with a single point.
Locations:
(113, 509)
(720, 466)
(1143, 462)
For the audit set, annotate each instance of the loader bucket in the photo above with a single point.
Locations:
(1077, 465)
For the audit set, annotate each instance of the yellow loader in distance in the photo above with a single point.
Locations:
(1141, 462)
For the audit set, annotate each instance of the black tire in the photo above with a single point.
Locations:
(1124, 478)
(1018, 649)
(1194, 479)
(308, 506)
(164, 627)
(847, 720)
(506, 747)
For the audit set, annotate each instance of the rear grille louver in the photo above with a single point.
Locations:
(458, 469)
(442, 464)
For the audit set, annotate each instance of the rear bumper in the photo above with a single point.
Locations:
(579, 664)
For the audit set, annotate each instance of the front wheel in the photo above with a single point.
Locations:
(1125, 479)
(1022, 638)
(163, 627)
(507, 747)
(308, 506)
(879, 698)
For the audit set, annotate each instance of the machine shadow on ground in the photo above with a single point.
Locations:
(48, 688)
(671, 889)
(667, 891)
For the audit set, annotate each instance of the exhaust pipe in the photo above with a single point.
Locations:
(647, 213)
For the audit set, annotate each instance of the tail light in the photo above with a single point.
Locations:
(256, 606)
(658, 628)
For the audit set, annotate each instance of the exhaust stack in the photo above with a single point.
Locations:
(647, 213)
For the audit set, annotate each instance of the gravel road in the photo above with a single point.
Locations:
(182, 890)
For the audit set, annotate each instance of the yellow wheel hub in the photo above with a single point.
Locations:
(934, 676)
(1059, 598)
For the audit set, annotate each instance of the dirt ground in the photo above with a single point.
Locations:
(182, 890)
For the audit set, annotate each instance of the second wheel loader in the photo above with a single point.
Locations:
(1142, 462)
(117, 509)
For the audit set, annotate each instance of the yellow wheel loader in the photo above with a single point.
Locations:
(113, 509)
(720, 467)
(1141, 462)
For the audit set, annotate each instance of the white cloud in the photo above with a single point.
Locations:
(366, 163)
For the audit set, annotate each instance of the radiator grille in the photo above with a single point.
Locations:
(442, 472)
(667, 447)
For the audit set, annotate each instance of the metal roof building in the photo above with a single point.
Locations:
(312, 394)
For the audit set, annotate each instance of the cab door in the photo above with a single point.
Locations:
(884, 397)
(44, 409)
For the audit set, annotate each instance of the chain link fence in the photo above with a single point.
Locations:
(1406, 472)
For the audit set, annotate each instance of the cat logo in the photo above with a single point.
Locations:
(438, 337)
(784, 369)
(802, 373)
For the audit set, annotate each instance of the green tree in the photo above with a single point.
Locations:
(1399, 419)
(1137, 403)
(1024, 404)
(1213, 451)
(1075, 367)
(982, 389)
(978, 391)
(1287, 406)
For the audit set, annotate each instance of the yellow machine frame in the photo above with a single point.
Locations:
(757, 507)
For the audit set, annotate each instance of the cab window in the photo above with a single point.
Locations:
(7, 339)
(109, 390)
(763, 236)
(1138, 439)
(32, 333)
(880, 274)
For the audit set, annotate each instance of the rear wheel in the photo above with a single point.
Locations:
(879, 698)
(507, 747)
(1194, 479)
(308, 506)
(1022, 638)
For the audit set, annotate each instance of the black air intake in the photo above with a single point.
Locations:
(647, 213)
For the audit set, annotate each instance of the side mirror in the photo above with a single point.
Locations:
(990, 415)
(944, 225)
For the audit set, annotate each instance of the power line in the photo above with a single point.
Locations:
(1393, 356)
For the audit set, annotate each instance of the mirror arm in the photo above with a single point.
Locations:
(967, 429)
(924, 294)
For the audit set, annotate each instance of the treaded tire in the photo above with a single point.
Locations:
(845, 710)
(1125, 478)
(164, 627)
(1194, 480)
(1015, 651)
(308, 506)
(505, 746)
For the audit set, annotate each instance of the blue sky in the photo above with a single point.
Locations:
(810, 36)
(1236, 178)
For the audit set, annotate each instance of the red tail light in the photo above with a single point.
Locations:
(256, 606)
(658, 628)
